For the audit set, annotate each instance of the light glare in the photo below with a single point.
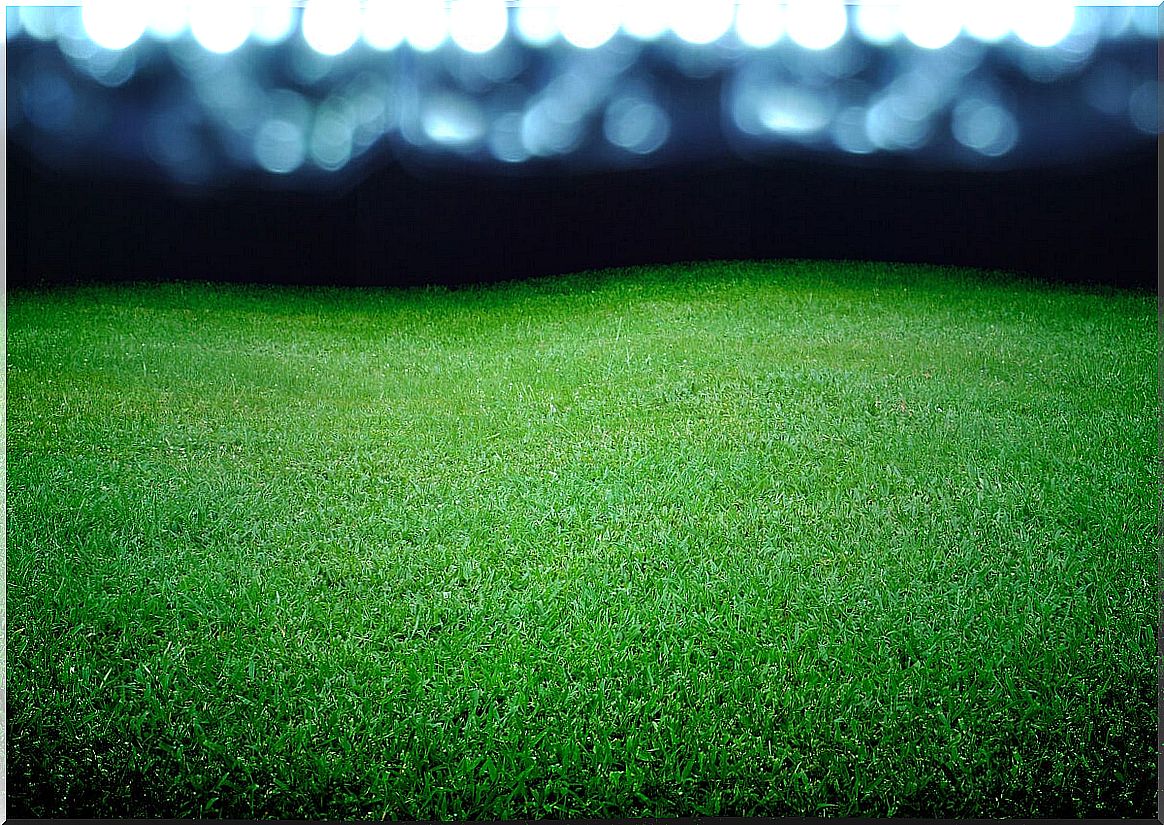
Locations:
(759, 23)
(426, 24)
(702, 21)
(646, 19)
(114, 24)
(816, 24)
(383, 25)
(478, 25)
(331, 27)
(930, 24)
(1045, 23)
(587, 24)
(220, 26)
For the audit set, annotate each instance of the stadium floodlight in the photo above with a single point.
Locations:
(220, 26)
(702, 21)
(929, 24)
(114, 24)
(588, 24)
(478, 25)
(331, 27)
(816, 24)
(759, 23)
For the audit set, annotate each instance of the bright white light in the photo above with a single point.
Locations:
(39, 21)
(452, 120)
(220, 26)
(1043, 23)
(274, 20)
(426, 24)
(114, 24)
(383, 26)
(478, 25)
(167, 18)
(816, 24)
(791, 110)
(588, 24)
(702, 21)
(878, 24)
(759, 23)
(646, 19)
(931, 24)
(537, 25)
(636, 125)
(331, 27)
(984, 127)
(987, 20)
(279, 146)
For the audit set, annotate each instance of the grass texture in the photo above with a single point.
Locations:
(730, 538)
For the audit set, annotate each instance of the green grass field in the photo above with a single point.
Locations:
(788, 538)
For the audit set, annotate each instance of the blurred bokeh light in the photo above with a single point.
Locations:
(217, 90)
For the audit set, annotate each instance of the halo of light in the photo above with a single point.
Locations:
(791, 110)
(220, 26)
(1043, 23)
(544, 134)
(167, 18)
(478, 25)
(274, 21)
(587, 24)
(331, 140)
(39, 22)
(279, 146)
(426, 24)
(877, 24)
(114, 24)
(646, 19)
(849, 134)
(930, 24)
(887, 128)
(636, 125)
(759, 23)
(383, 24)
(816, 24)
(505, 139)
(1146, 21)
(984, 127)
(452, 120)
(987, 21)
(111, 68)
(702, 21)
(536, 25)
(331, 27)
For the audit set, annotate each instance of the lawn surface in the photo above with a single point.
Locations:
(785, 538)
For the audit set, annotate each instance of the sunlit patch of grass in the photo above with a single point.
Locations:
(791, 538)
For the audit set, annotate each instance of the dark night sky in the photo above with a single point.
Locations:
(1095, 223)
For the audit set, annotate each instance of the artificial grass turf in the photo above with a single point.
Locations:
(736, 538)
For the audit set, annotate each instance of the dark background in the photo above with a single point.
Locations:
(1094, 223)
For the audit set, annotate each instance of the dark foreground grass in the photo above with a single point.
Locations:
(722, 539)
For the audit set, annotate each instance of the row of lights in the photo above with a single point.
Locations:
(331, 27)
